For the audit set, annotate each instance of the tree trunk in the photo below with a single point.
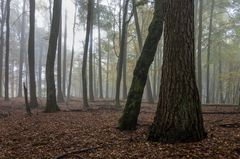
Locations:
(209, 51)
(140, 44)
(65, 57)
(22, 50)
(99, 53)
(178, 117)
(40, 57)
(107, 80)
(121, 54)
(199, 55)
(31, 56)
(59, 65)
(220, 83)
(51, 105)
(124, 82)
(72, 56)
(7, 51)
(3, 14)
(91, 95)
(84, 66)
(128, 121)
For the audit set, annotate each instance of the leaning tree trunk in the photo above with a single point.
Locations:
(7, 51)
(178, 117)
(31, 56)
(59, 65)
(51, 105)
(22, 50)
(209, 51)
(128, 121)
(84, 66)
(140, 44)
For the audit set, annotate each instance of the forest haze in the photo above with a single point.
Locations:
(119, 79)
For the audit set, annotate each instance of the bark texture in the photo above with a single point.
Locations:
(128, 121)
(51, 105)
(178, 117)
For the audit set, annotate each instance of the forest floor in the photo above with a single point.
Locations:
(74, 133)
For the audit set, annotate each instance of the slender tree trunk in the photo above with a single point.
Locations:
(40, 57)
(72, 56)
(99, 53)
(220, 83)
(31, 56)
(3, 14)
(128, 121)
(7, 51)
(59, 65)
(22, 50)
(178, 117)
(199, 55)
(124, 82)
(65, 57)
(209, 51)
(107, 80)
(84, 66)
(91, 95)
(51, 105)
(121, 54)
(12, 80)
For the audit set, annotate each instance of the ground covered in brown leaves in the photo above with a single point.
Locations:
(74, 133)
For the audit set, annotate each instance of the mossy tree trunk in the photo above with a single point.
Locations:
(51, 105)
(128, 121)
(178, 117)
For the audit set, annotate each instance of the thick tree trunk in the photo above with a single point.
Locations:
(99, 54)
(7, 51)
(51, 105)
(128, 121)
(178, 117)
(84, 66)
(22, 50)
(65, 57)
(59, 65)
(121, 54)
(199, 55)
(31, 56)
(209, 51)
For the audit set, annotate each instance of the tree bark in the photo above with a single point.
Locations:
(51, 105)
(209, 51)
(128, 121)
(22, 49)
(84, 66)
(178, 116)
(99, 53)
(31, 56)
(199, 55)
(7, 50)
(65, 57)
(121, 55)
(59, 65)
(3, 14)
(91, 95)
